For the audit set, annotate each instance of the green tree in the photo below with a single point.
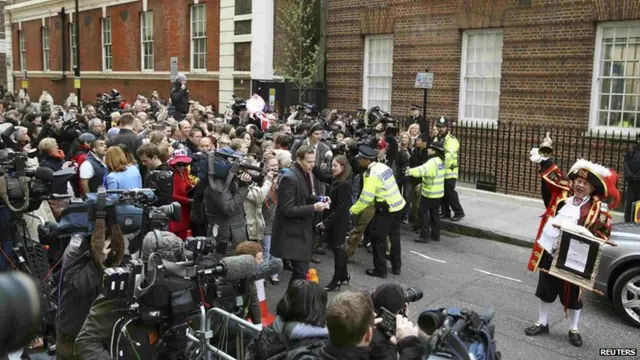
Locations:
(297, 19)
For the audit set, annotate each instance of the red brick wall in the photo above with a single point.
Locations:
(171, 38)
(90, 25)
(125, 34)
(547, 54)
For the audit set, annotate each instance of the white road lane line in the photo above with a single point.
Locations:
(496, 275)
(427, 257)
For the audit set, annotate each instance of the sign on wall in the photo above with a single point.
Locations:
(424, 81)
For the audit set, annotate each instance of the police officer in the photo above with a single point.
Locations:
(451, 147)
(417, 118)
(381, 190)
(432, 173)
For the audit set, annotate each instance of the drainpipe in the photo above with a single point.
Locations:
(63, 27)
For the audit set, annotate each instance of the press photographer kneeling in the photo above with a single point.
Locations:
(391, 300)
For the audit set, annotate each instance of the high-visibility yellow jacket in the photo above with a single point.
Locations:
(379, 185)
(451, 148)
(432, 173)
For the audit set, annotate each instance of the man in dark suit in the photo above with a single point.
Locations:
(416, 118)
(126, 135)
(292, 237)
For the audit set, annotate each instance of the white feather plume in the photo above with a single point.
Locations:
(597, 169)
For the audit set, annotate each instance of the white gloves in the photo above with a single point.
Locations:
(535, 156)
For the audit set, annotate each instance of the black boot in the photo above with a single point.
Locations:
(340, 265)
(333, 285)
(574, 338)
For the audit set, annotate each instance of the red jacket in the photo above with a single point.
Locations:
(181, 185)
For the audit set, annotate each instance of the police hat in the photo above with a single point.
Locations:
(442, 122)
(366, 152)
(437, 144)
(415, 107)
(424, 137)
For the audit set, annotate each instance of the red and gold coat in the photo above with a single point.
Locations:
(593, 215)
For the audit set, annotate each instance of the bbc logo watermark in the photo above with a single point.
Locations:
(618, 352)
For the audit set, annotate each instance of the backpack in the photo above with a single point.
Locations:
(162, 182)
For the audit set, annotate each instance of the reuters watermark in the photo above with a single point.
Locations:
(618, 352)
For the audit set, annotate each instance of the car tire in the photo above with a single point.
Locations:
(619, 291)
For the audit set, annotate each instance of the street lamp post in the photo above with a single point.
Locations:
(76, 81)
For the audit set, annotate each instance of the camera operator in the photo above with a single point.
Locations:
(224, 207)
(94, 339)
(351, 320)
(391, 297)
(82, 266)
(180, 97)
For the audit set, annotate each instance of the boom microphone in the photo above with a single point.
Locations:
(44, 174)
(239, 267)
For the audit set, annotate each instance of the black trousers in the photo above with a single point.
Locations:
(549, 287)
(382, 225)
(450, 202)
(340, 272)
(631, 195)
(430, 218)
(300, 270)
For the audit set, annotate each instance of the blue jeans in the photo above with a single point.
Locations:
(266, 253)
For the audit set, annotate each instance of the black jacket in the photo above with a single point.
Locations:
(288, 341)
(409, 348)
(424, 126)
(292, 235)
(180, 98)
(337, 221)
(80, 287)
(127, 137)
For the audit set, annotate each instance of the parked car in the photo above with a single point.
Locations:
(619, 274)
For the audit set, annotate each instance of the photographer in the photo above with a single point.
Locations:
(82, 266)
(392, 297)
(351, 320)
(180, 97)
(224, 207)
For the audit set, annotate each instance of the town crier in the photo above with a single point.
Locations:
(579, 201)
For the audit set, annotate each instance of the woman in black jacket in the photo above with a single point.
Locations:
(336, 224)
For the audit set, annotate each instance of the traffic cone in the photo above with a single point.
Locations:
(266, 317)
(312, 276)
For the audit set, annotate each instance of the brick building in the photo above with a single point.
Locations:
(574, 62)
(128, 45)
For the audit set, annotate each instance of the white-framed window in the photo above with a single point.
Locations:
(107, 64)
(616, 77)
(72, 41)
(198, 37)
(23, 51)
(45, 49)
(480, 71)
(378, 71)
(146, 40)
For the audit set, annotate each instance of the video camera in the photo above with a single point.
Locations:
(238, 105)
(107, 104)
(175, 292)
(222, 164)
(459, 334)
(375, 116)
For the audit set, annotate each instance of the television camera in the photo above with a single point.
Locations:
(238, 105)
(107, 104)
(379, 120)
(459, 334)
(170, 296)
(222, 165)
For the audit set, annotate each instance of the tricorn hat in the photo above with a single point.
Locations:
(602, 179)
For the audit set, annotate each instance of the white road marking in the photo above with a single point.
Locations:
(496, 275)
(427, 257)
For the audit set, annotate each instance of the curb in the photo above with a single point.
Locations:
(462, 229)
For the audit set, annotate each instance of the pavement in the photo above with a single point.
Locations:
(500, 217)
(468, 270)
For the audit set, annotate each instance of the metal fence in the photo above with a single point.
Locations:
(495, 156)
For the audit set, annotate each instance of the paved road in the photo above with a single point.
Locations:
(476, 273)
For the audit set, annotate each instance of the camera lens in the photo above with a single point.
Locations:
(429, 321)
(19, 311)
(413, 294)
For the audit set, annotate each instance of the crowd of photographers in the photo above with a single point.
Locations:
(163, 144)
